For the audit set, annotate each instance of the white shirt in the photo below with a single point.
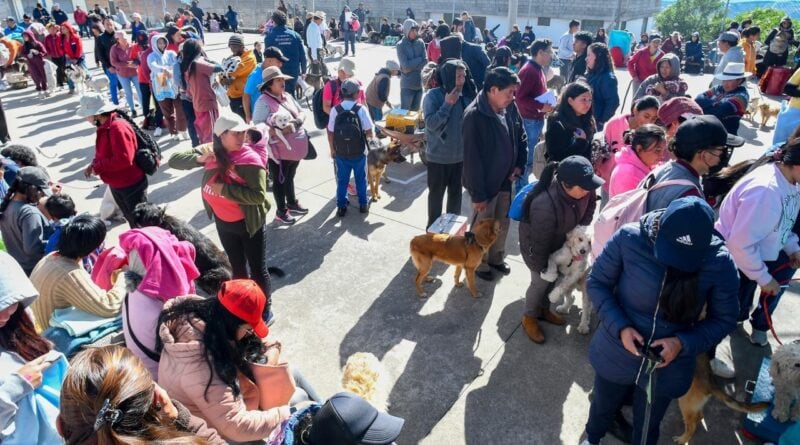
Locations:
(363, 115)
(565, 49)
(314, 39)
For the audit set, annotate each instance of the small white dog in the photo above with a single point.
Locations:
(78, 78)
(333, 50)
(568, 267)
(785, 372)
(281, 120)
(364, 376)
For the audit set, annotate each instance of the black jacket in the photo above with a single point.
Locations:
(561, 141)
(491, 150)
(103, 49)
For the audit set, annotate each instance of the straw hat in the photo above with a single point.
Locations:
(270, 73)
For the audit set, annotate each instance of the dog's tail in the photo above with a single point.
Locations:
(276, 271)
(736, 405)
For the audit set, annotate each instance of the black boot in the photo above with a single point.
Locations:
(621, 428)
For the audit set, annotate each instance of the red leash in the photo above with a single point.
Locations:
(765, 307)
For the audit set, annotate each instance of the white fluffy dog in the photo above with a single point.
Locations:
(333, 50)
(364, 376)
(78, 78)
(281, 120)
(568, 267)
(785, 372)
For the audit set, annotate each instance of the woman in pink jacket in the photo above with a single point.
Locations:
(644, 150)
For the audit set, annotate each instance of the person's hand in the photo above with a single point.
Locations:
(770, 289)
(795, 258)
(547, 108)
(32, 371)
(167, 411)
(660, 88)
(216, 188)
(112, 70)
(480, 206)
(515, 174)
(671, 347)
(452, 97)
(580, 134)
(88, 171)
(35, 52)
(55, 187)
(630, 337)
(115, 276)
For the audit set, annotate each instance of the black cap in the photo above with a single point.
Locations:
(577, 170)
(273, 52)
(347, 419)
(36, 177)
(699, 132)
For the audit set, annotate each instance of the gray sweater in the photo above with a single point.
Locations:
(411, 55)
(25, 232)
(443, 127)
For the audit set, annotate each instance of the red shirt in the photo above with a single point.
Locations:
(115, 148)
(80, 17)
(53, 45)
(641, 66)
(71, 42)
(142, 71)
(532, 85)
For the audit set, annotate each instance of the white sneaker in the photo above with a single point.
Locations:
(176, 137)
(184, 135)
(722, 369)
(759, 338)
(158, 131)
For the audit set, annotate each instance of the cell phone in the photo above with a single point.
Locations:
(652, 353)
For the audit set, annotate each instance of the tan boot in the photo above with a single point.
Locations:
(553, 318)
(532, 328)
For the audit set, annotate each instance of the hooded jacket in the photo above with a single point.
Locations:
(32, 44)
(785, 39)
(71, 41)
(443, 122)
(411, 55)
(625, 284)
(163, 86)
(640, 66)
(115, 148)
(53, 44)
(694, 50)
(675, 84)
(628, 172)
(183, 372)
(492, 148)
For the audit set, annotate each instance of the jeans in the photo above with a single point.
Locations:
(410, 99)
(350, 38)
(4, 136)
(607, 401)
(375, 113)
(188, 112)
(283, 182)
(113, 85)
(83, 30)
(237, 106)
(127, 198)
(496, 208)
(748, 288)
(128, 85)
(533, 128)
(343, 168)
(245, 251)
(441, 178)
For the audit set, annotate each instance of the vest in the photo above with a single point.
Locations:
(372, 91)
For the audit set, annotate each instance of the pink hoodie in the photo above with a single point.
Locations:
(756, 220)
(628, 172)
(613, 131)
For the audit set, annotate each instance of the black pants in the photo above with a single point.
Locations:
(4, 136)
(283, 182)
(441, 178)
(244, 250)
(237, 106)
(188, 111)
(127, 198)
(61, 72)
(147, 94)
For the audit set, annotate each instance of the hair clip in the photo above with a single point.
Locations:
(107, 414)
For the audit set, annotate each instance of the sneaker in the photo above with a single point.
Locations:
(47, 94)
(158, 131)
(184, 135)
(296, 208)
(759, 338)
(364, 208)
(341, 211)
(175, 137)
(351, 189)
(285, 217)
(722, 369)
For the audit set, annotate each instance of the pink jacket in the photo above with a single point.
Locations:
(183, 372)
(613, 130)
(628, 172)
(169, 263)
(109, 260)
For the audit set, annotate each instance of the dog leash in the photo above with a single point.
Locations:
(469, 235)
(763, 298)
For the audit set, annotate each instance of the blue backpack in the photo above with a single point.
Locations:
(516, 211)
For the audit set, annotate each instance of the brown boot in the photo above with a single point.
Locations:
(531, 327)
(553, 318)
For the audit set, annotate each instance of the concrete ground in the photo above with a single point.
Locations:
(461, 370)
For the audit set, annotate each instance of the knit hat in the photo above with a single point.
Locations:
(244, 299)
(684, 234)
(236, 40)
(391, 65)
(677, 107)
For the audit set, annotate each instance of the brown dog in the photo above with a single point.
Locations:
(454, 250)
(704, 386)
(767, 111)
(377, 159)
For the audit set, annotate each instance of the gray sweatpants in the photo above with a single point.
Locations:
(497, 209)
(536, 301)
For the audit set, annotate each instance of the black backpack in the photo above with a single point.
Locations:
(148, 153)
(320, 116)
(348, 137)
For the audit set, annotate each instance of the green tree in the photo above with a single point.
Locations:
(764, 18)
(688, 16)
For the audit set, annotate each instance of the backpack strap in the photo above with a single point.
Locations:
(670, 182)
(147, 351)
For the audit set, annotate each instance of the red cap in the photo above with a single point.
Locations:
(244, 299)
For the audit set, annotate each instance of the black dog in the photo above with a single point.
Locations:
(211, 261)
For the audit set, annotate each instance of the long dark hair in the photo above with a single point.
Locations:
(223, 158)
(189, 53)
(566, 114)
(31, 194)
(679, 296)
(19, 335)
(223, 353)
(602, 62)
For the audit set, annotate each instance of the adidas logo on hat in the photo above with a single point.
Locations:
(686, 240)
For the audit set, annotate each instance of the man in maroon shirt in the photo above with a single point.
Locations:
(532, 85)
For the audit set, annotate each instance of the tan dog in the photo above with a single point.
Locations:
(767, 111)
(364, 376)
(704, 386)
(454, 250)
(378, 158)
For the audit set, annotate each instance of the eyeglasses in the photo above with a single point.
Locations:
(716, 152)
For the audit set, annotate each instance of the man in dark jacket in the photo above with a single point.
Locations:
(477, 61)
(40, 14)
(361, 13)
(495, 151)
(58, 14)
(412, 58)
(291, 44)
(196, 10)
(468, 28)
(102, 55)
(582, 41)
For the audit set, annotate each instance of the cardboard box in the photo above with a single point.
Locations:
(449, 223)
(402, 120)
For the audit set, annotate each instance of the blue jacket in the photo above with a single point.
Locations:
(605, 98)
(624, 286)
(469, 31)
(291, 44)
(233, 18)
(477, 61)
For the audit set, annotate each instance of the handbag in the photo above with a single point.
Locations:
(275, 383)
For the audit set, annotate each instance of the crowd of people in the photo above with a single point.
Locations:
(199, 365)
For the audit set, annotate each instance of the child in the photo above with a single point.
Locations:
(258, 51)
(60, 209)
(34, 52)
(349, 128)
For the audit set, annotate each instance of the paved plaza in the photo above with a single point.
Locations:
(462, 370)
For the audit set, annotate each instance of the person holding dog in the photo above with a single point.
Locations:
(563, 199)
(665, 292)
(495, 152)
(728, 100)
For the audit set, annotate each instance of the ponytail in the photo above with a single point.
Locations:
(545, 179)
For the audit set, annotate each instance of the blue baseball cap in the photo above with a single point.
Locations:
(684, 236)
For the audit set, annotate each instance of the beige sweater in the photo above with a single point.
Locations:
(63, 283)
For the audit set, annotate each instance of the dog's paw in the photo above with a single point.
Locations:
(478, 294)
(423, 295)
(584, 328)
(459, 284)
(562, 309)
(429, 279)
(680, 439)
(549, 277)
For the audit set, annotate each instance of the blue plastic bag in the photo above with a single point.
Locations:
(516, 212)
